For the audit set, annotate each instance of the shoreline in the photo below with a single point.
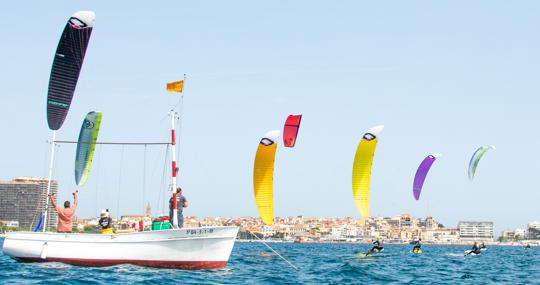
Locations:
(531, 243)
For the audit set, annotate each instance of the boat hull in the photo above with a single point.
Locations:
(191, 248)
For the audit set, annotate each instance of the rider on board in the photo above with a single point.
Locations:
(417, 246)
(377, 246)
(475, 249)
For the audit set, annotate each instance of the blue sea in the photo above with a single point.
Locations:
(253, 263)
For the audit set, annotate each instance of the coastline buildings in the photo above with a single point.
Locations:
(23, 199)
(397, 229)
(475, 231)
(515, 235)
(533, 230)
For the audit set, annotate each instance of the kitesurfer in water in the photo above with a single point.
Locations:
(181, 203)
(377, 246)
(105, 222)
(65, 215)
(475, 249)
(417, 245)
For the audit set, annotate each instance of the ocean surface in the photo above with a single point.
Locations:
(253, 263)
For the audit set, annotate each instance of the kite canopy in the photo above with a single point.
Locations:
(263, 176)
(421, 174)
(361, 174)
(86, 146)
(67, 65)
(477, 155)
(290, 130)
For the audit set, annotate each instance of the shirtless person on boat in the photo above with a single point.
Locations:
(65, 215)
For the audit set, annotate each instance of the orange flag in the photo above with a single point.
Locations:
(176, 86)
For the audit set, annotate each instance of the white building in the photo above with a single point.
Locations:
(520, 233)
(507, 235)
(470, 230)
(533, 230)
(441, 235)
(267, 231)
(338, 232)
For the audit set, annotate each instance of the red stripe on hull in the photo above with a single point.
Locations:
(192, 265)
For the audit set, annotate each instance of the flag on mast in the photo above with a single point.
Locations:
(176, 86)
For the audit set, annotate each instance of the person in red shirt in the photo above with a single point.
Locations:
(65, 215)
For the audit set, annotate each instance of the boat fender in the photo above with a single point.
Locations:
(43, 254)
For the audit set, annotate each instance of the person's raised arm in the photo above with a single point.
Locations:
(75, 199)
(51, 196)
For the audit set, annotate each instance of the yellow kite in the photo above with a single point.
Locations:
(362, 169)
(263, 176)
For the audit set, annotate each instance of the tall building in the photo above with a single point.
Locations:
(469, 230)
(23, 200)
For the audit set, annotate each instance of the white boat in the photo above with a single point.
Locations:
(187, 248)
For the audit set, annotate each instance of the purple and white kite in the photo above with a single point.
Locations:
(421, 174)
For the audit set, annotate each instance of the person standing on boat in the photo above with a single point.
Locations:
(65, 215)
(181, 203)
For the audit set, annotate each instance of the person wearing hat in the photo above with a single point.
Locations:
(105, 222)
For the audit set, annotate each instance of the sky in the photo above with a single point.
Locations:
(442, 76)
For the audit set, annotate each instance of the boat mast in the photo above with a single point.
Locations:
(51, 164)
(174, 116)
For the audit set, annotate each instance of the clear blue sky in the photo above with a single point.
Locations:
(443, 76)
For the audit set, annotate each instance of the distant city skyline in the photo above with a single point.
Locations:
(401, 228)
(23, 215)
(439, 77)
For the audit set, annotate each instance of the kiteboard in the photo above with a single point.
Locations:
(370, 252)
(470, 252)
(417, 251)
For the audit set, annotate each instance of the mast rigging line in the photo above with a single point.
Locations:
(274, 251)
(116, 143)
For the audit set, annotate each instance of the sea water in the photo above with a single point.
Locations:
(253, 263)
